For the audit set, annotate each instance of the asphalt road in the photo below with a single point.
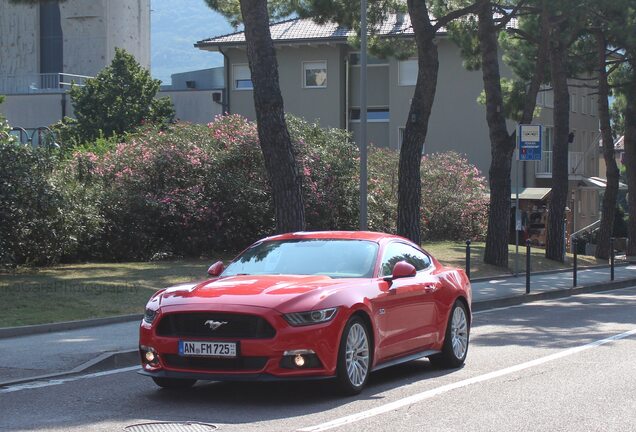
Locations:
(561, 365)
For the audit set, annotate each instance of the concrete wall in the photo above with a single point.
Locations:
(19, 39)
(91, 30)
(35, 110)
(84, 31)
(128, 24)
(195, 106)
(204, 79)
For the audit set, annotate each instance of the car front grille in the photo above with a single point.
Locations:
(215, 364)
(238, 326)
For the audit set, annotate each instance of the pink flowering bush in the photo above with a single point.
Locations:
(454, 197)
(383, 189)
(329, 167)
(192, 189)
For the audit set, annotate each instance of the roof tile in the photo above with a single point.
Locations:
(306, 29)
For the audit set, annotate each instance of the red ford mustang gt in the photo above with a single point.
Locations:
(309, 305)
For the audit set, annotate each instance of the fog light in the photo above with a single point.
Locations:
(299, 360)
(149, 356)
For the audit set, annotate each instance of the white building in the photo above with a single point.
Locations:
(45, 45)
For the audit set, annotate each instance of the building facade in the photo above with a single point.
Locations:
(319, 79)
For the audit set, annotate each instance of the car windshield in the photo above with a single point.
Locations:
(330, 257)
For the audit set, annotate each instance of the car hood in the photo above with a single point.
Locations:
(282, 292)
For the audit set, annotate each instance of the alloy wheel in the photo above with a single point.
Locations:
(357, 355)
(459, 332)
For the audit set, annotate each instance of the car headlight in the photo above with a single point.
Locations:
(149, 315)
(310, 317)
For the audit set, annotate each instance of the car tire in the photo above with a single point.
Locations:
(456, 339)
(173, 383)
(354, 357)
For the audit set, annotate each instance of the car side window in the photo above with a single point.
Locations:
(396, 252)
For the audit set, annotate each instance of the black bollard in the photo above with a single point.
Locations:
(574, 242)
(528, 266)
(468, 259)
(612, 258)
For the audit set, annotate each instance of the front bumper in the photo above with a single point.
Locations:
(258, 359)
(262, 377)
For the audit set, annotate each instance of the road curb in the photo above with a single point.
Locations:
(550, 295)
(103, 362)
(9, 332)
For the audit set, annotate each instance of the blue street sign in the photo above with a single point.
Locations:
(530, 140)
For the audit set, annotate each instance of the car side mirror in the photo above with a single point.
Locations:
(216, 269)
(401, 269)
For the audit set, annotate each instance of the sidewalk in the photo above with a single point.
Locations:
(488, 293)
(58, 352)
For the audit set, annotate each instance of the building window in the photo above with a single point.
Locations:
(549, 98)
(573, 100)
(584, 104)
(540, 98)
(407, 72)
(548, 138)
(593, 106)
(373, 115)
(315, 74)
(242, 77)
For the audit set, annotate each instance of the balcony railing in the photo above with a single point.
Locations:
(39, 83)
(576, 164)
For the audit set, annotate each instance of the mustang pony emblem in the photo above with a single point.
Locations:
(214, 324)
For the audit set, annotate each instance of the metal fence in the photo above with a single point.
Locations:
(39, 83)
(36, 137)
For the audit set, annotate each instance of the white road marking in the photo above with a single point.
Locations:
(410, 400)
(49, 383)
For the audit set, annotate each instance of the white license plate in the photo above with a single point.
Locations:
(207, 349)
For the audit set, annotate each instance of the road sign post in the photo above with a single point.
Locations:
(529, 148)
(530, 142)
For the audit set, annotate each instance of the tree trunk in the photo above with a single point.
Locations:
(606, 228)
(530, 102)
(501, 143)
(409, 182)
(555, 246)
(270, 117)
(630, 156)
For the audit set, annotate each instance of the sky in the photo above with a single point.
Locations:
(174, 28)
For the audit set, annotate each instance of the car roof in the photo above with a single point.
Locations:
(337, 235)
